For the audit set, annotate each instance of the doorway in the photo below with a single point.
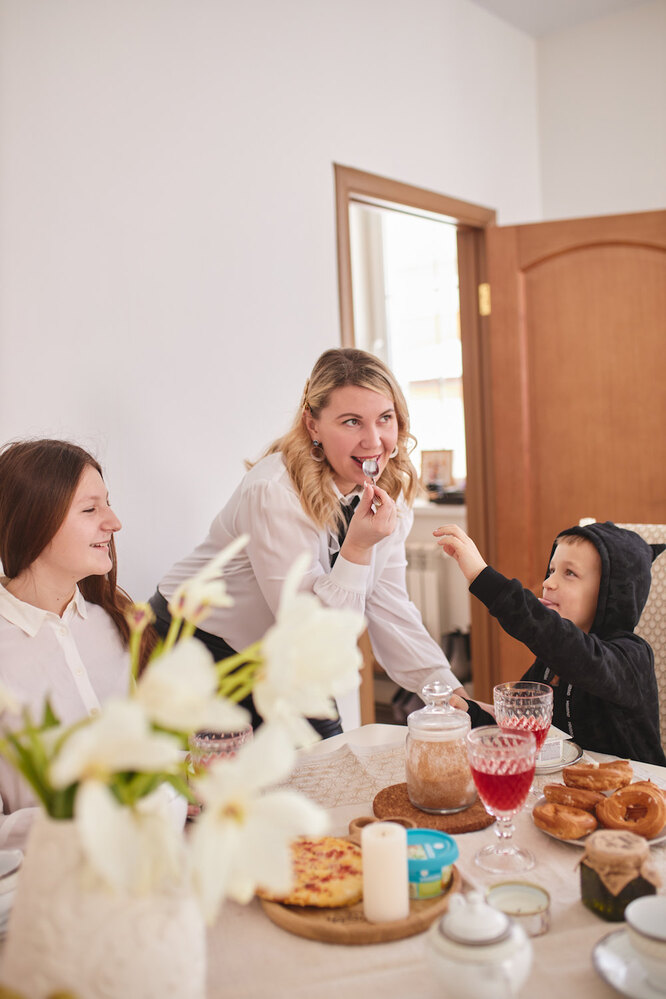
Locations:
(407, 311)
(377, 219)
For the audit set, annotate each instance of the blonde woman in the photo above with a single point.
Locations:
(300, 496)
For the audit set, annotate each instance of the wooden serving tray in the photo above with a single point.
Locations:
(393, 802)
(348, 925)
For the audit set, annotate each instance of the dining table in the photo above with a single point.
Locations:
(251, 957)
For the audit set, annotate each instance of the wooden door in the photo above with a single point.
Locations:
(577, 382)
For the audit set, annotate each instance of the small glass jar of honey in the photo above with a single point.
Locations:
(614, 870)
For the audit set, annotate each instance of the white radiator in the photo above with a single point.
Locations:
(424, 578)
(438, 588)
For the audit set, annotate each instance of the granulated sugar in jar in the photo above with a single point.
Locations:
(438, 776)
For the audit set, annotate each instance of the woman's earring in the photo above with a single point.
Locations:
(394, 452)
(317, 451)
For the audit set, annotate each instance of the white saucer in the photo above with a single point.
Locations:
(618, 964)
(571, 753)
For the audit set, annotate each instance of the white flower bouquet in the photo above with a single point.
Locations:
(109, 772)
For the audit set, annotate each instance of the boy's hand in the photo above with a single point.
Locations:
(460, 546)
(458, 702)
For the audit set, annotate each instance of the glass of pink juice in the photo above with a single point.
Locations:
(527, 706)
(502, 764)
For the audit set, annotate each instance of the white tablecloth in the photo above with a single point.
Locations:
(252, 958)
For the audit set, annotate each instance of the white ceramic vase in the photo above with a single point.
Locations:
(65, 935)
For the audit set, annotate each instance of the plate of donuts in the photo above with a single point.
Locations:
(601, 796)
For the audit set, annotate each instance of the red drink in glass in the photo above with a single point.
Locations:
(503, 792)
(525, 706)
(502, 763)
(538, 726)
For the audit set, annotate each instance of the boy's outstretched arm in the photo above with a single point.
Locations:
(460, 546)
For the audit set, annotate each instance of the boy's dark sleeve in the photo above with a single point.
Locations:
(478, 715)
(613, 670)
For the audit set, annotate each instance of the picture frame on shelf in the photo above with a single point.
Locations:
(436, 470)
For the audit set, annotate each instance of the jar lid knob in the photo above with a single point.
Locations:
(437, 694)
(471, 921)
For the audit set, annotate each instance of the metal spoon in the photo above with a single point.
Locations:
(370, 468)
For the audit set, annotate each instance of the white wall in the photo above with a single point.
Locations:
(167, 243)
(602, 115)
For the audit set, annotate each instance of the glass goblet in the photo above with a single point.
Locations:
(525, 705)
(206, 747)
(502, 765)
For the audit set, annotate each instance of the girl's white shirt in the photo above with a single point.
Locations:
(267, 508)
(78, 661)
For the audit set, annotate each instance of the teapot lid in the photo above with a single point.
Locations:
(472, 922)
(438, 720)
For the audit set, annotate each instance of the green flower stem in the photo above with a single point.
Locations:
(134, 651)
(188, 631)
(62, 803)
(248, 655)
(237, 695)
(242, 679)
(172, 633)
(20, 758)
(35, 747)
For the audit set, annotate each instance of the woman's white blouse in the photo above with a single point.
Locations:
(78, 661)
(266, 506)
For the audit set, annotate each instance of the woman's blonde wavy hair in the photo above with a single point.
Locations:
(314, 479)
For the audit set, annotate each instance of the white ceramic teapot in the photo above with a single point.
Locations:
(477, 952)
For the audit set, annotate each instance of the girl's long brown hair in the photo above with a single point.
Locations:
(314, 480)
(38, 480)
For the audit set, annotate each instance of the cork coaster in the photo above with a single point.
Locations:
(393, 801)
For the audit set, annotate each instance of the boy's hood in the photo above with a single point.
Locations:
(626, 561)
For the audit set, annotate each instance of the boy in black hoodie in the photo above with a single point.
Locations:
(582, 632)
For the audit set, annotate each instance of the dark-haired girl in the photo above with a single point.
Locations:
(63, 634)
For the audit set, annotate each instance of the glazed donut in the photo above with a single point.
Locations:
(562, 821)
(635, 809)
(599, 777)
(574, 797)
(640, 784)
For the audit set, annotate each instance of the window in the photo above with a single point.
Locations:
(407, 311)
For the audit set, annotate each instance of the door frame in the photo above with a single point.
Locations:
(471, 221)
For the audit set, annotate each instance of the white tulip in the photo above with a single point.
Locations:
(177, 692)
(242, 839)
(311, 655)
(194, 598)
(119, 739)
(135, 849)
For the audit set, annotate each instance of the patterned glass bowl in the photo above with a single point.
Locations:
(206, 747)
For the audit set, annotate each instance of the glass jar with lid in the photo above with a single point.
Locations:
(615, 869)
(439, 779)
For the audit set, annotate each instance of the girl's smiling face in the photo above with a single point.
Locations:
(358, 423)
(80, 546)
(572, 585)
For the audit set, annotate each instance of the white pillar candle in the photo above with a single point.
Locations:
(385, 872)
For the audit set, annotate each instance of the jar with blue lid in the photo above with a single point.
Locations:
(430, 859)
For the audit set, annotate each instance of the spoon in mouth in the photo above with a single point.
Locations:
(370, 468)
